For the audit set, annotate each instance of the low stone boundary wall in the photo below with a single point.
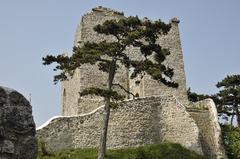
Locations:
(135, 122)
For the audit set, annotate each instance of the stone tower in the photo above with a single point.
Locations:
(89, 76)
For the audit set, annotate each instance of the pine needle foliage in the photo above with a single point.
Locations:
(128, 32)
(228, 97)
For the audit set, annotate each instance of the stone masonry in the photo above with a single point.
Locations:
(89, 76)
(136, 122)
(159, 114)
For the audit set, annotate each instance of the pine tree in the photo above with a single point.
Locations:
(108, 56)
(228, 98)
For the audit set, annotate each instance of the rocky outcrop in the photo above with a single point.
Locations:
(17, 128)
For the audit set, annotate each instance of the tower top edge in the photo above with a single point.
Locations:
(109, 11)
(105, 9)
(175, 20)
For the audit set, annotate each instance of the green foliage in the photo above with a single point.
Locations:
(194, 97)
(160, 151)
(231, 139)
(63, 65)
(231, 81)
(103, 93)
(42, 150)
(130, 31)
(228, 98)
(71, 154)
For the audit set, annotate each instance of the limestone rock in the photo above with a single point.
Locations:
(17, 128)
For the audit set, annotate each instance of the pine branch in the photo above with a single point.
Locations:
(120, 86)
(102, 93)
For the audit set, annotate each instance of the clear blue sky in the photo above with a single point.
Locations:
(210, 36)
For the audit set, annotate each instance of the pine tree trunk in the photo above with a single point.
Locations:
(233, 115)
(103, 139)
(231, 122)
(106, 113)
(238, 116)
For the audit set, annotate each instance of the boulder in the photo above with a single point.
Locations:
(17, 128)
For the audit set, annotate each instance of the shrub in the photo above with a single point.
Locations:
(231, 140)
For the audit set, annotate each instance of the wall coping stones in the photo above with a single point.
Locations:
(101, 107)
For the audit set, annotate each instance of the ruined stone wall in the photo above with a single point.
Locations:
(175, 61)
(148, 86)
(205, 115)
(90, 76)
(136, 122)
(70, 94)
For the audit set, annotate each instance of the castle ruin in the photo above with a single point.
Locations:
(89, 76)
(159, 114)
